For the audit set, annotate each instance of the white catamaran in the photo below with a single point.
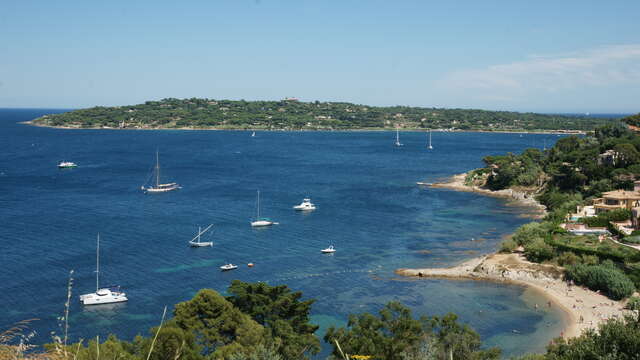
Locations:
(195, 242)
(159, 188)
(109, 295)
(260, 221)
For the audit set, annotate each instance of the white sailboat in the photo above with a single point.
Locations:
(159, 188)
(195, 242)
(260, 221)
(398, 143)
(253, 134)
(66, 165)
(429, 146)
(108, 295)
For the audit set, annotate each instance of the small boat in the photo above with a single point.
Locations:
(328, 250)
(227, 267)
(398, 143)
(429, 146)
(421, 183)
(159, 188)
(250, 264)
(253, 134)
(108, 295)
(66, 165)
(260, 221)
(306, 205)
(195, 242)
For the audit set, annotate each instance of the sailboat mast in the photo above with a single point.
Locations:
(258, 206)
(199, 232)
(98, 262)
(157, 169)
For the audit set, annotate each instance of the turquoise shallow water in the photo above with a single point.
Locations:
(368, 207)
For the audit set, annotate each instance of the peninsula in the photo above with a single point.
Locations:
(292, 114)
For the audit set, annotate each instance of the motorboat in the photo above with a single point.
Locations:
(227, 267)
(306, 205)
(328, 250)
(67, 165)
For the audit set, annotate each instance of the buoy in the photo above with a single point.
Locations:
(250, 264)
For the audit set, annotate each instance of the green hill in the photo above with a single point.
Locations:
(291, 114)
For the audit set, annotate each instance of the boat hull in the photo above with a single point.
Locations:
(93, 299)
(152, 190)
(201, 244)
(261, 223)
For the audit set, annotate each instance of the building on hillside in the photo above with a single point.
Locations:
(608, 157)
(618, 199)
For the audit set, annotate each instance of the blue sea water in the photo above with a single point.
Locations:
(369, 208)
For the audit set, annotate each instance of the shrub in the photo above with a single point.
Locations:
(538, 250)
(633, 303)
(605, 277)
(508, 245)
(568, 258)
(529, 232)
(589, 259)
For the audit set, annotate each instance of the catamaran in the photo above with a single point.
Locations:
(109, 295)
(429, 146)
(159, 188)
(195, 242)
(398, 143)
(260, 221)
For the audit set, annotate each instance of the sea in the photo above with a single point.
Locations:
(368, 207)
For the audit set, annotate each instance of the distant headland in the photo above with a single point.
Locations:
(292, 114)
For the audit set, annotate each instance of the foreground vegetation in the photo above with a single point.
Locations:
(296, 115)
(262, 322)
(572, 173)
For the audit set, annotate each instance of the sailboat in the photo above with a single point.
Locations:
(429, 146)
(159, 188)
(398, 143)
(195, 242)
(260, 221)
(253, 134)
(108, 295)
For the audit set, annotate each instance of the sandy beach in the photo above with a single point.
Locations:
(584, 308)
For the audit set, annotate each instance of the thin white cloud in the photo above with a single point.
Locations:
(603, 66)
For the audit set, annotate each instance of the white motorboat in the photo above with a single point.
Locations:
(398, 143)
(195, 242)
(305, 205)
(260, 221)
(422, 183)
(108, 295)
(227, 267)
(158, 187)
(66, 165)
(328, 250)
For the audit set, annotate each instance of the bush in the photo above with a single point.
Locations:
(507, 246)
(568, 258)
(538, 250)
(529, 232)
(633, 303)
(605, 277)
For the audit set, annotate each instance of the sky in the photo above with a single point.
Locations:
(541, 56)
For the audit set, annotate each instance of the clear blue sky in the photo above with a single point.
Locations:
(545, 56)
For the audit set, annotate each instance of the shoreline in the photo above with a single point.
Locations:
(550, 132)
(456, 182)
(584, 309)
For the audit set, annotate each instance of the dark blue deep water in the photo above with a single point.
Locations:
(368, 207)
